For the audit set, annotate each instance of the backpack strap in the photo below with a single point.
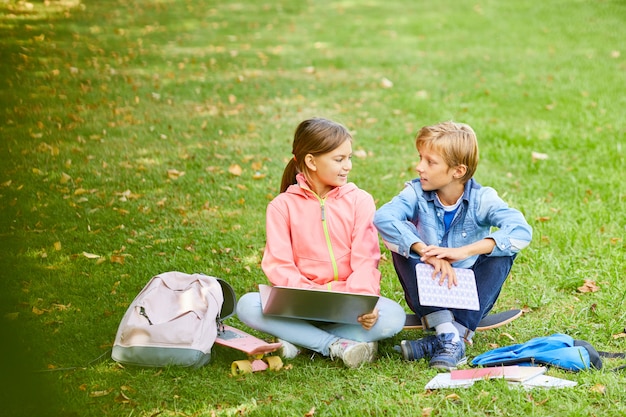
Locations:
(230, 300)
(613, 355)
(594, 355)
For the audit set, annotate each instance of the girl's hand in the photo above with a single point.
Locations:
(368, 320)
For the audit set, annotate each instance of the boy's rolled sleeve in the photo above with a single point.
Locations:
(513, 231)
(506, 244)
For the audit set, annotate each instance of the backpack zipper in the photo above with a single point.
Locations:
(142, 312)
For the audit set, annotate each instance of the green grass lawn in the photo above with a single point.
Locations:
(139, 137)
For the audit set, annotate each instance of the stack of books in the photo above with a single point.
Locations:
(526, 376)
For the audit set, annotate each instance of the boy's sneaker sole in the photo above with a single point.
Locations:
(439, 364)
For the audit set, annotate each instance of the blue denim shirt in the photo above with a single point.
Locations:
(415, 215)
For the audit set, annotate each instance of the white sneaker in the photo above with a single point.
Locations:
(373, 346)
(288, 350)
(352, 353)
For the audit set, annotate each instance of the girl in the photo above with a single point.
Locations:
(320, 235)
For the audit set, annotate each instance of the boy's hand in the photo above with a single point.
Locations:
(449, 254)
(368, 320)
(444, 267)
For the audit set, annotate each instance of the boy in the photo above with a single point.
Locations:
(446, 219)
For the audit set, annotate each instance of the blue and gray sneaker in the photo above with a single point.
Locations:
(448, 354)
(414, 350)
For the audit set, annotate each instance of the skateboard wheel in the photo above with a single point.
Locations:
(241, 367)
(274, 362)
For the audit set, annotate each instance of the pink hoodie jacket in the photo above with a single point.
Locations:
(323, 244)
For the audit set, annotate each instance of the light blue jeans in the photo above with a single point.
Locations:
(318, 336)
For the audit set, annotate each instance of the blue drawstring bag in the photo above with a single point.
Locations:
(557, 350)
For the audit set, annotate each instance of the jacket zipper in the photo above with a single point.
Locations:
(328, 242)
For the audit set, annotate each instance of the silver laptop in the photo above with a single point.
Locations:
(316, 305)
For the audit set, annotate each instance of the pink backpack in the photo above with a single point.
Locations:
(173, 321)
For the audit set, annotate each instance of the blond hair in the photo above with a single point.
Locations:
(456, 142)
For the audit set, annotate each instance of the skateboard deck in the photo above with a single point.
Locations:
(255, 348)
(492, 321)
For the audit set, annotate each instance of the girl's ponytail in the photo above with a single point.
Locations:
(289, 175)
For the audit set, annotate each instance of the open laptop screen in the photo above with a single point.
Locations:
(316, 305)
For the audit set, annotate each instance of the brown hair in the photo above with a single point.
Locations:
(456, 142)
(314, 136)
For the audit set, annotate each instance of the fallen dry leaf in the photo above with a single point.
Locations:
(235, 170)
(599, 388)
(90, 255)
(128, 195)
(100, 393)
(538, 156)
(122, 399)
(508, 335)
(38, 311)
(174, 174)
(65, 178)
(360, 153)
(258, 176)
(386, 83)
(589, 286)
(117, 259)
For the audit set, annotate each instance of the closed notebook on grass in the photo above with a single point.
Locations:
(316, 305)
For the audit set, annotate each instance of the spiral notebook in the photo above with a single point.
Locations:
(463, 296)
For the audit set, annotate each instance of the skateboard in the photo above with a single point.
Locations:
(491, 321)
(255, 348)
